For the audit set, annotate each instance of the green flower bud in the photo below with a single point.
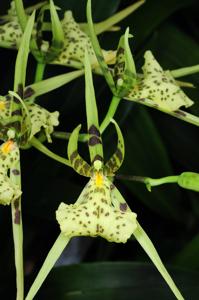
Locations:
(189, 180)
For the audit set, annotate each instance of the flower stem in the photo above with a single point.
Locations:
(48, 264)
(185, 71)
(15, 176)
(110, 114)
(160, 181)
(150, 181)
(39, 146)
(39, 71)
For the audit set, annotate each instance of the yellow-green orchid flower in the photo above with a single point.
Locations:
(159, 86)
(100, 209)
(25, 118)
(9, 156)
(75, 42)
(34, 119)
(73, 38)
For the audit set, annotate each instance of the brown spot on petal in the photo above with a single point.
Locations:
(123, 206)
(93, 130)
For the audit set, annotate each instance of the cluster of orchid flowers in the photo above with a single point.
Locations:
(100, 209)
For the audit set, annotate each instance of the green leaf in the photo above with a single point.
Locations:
(143, 24)
(188, 256)
(114, 280)
(94, 141)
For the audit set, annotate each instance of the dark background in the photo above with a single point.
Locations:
(157, 145)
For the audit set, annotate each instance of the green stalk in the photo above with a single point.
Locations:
(39, 71)
(39, 146)
(15, 176)
(83, 137)
(21, 14)
(185, 71)
(110, 114)
(160, 181)
(55, 252)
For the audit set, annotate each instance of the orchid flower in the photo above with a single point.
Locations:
(100, 209)
(155, 88)
(158, 86)
(34, 119)
(9, 156)
(69, 37)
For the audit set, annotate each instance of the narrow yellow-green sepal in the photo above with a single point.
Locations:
(116, 18)
(94, 141)
(77, 162)
(22, 56)
(115, 162)
(57, 31)
(98, 50)
(42, 87)
(21, 14)
(149, 248)
(53, 255)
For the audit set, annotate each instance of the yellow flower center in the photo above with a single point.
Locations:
(7, 147)
(99, 179)
(2, 105)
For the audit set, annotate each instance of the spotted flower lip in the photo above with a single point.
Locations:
(9, 155)
(159, 85)
(95, 214)
(75, 42)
